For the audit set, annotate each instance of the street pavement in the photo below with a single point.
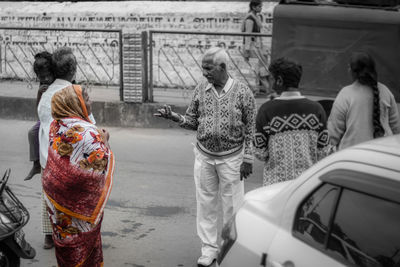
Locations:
(150, 217)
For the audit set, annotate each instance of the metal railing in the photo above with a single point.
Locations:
(98, 53)
(175, 62)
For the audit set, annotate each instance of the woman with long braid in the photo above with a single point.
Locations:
(363, 110)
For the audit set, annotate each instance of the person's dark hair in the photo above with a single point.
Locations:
(289, 71)
(254, 3)
(43, 62)
(64, 62)
(363, 70)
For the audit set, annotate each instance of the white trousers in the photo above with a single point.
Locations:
(214, 177)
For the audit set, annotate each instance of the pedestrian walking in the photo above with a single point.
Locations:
(365, 109)
(291, 133)
(77, 179)
(254, 50)
(222, 111)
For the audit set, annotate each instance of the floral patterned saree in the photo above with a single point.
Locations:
(77, 182)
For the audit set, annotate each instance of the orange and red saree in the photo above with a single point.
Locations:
(77, 182)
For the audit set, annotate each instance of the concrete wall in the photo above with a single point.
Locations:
(118, 114)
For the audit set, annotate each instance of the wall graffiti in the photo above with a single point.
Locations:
(135, 21)
(97, 52)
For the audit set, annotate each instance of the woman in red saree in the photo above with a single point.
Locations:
(77, 180)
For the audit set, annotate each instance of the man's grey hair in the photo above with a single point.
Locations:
(64, 62)
(217, 56)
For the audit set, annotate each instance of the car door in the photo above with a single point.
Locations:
(312, 224)
(350, 219)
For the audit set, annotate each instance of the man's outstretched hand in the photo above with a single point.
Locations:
(245, 170)
(167, 113)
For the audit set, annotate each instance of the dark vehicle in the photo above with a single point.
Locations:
(322, 35)
(13, 216)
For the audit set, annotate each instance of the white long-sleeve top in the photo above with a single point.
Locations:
(350, 121)
(44, 113)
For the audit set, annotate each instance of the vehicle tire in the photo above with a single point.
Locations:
(8, 258)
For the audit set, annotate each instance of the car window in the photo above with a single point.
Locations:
(313, 216)
(365, 231)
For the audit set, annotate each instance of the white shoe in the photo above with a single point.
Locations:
(205, 261)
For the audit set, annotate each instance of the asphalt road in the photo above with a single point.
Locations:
(150, 216)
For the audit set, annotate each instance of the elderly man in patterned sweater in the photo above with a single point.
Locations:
(291, 132)
(222, 111)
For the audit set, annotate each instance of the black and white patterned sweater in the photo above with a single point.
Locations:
(291, 136)
(225, 122)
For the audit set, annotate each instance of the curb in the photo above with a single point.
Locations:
(116, 114)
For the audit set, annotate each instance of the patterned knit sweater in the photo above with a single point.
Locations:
(290, 137)
(225, 122)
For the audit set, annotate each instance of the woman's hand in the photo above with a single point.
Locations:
(105, 136)
(105, 133)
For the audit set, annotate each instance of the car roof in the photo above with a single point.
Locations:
(383, 152)
(386, 145)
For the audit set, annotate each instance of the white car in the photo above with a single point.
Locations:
(343, 211)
